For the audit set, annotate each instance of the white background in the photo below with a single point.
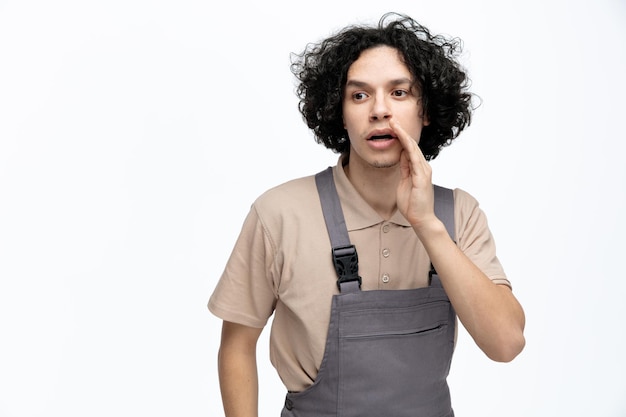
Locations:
(135, 134)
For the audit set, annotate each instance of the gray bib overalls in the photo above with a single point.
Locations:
(388, 352)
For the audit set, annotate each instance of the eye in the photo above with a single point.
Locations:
(359, 96)
(400, 93)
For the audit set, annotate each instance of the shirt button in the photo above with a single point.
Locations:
(385, 278)
(386, 228)
(386, 252)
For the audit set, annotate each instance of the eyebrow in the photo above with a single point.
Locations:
(363, 84)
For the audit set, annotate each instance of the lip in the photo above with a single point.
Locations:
(377, 133)
(382, 139)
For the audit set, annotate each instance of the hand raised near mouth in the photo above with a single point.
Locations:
(414, 195)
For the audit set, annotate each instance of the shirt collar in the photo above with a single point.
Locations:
(356, 211)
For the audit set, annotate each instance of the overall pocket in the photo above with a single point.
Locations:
(395, 361)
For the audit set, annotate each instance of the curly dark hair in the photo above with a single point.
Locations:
(322, 71)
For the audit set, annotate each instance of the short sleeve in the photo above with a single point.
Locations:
(474, 237)
(245, 292)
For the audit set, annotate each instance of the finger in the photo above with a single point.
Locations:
(407, 142)
(405, 165)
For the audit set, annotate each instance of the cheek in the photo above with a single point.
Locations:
(348, 121)
(353, 116)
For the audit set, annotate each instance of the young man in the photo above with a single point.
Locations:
(378, 341)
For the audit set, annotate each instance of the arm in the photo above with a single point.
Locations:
(489, 312)
(238, 371)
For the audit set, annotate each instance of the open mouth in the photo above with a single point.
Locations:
(381, 137)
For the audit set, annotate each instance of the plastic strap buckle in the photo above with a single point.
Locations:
(431, 272)
(346, 263)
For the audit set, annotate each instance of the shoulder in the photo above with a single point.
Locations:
(467, 212)
(455, 199)
(296, 192)
(464, 200)
(289, 205)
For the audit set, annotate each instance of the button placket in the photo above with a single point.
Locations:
(385, 252)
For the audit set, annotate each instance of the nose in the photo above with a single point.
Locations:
(380, 108)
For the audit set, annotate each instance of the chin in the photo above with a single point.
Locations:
(385, 164)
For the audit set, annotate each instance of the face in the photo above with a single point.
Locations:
(379, 87)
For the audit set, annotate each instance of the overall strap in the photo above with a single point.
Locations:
(444, 210)
(345, 258)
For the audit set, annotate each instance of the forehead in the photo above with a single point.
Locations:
(379, 64)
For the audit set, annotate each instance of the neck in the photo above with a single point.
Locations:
(377, 186)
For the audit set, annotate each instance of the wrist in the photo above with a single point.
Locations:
(430, 229)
